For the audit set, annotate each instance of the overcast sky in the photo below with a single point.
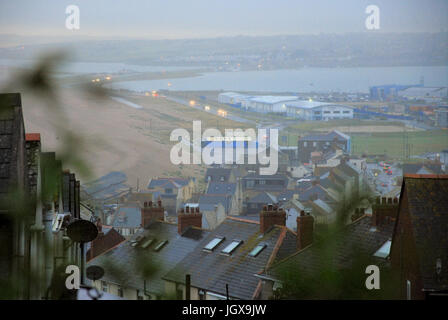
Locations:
(160, 19)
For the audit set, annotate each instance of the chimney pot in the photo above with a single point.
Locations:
(150, 203)
(187, 209)
(159, 202)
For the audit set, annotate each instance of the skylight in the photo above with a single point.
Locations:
(147, 243)
(383, 252)
(213, 244)
(231, 247)
(256, 251)
(160, 245)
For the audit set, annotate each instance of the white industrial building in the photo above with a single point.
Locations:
(267, 104)
(232, 97)
(316, 110)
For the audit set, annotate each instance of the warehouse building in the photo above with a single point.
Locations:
(232, 98)
(267, 104)
(316, 110)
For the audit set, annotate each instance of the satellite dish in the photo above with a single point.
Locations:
(94, 273)
(82, 231)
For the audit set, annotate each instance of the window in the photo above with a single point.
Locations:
(316, 112)
(104, 286)
(231, 247)
(336, 111)
(160, 245)
(305, 144)
(139, 297)
(383, 252)
(408, 290)
(168, 190)
(345, 111)
(120, 292)
(213, 244)
(327, 112)
(147, 243)
(256, 251)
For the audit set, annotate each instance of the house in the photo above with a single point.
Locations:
(322, 143)
(367, 237)
(422, 168)
(231, 255)
(322, 212)
(233, 191)
(215, 174)
(316, 110)
(255, 204)
(172, 191)
(293, 208)
(268, 183)
(420, 239)
(126, 219)
(159, 247)
(32, 185)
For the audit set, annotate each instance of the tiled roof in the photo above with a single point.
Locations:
(211, 271)
(359, 236)
(108, 240)
(32, 136)
(428, 209)
(125, 256)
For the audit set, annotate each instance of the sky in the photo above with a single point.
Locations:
(176, 19)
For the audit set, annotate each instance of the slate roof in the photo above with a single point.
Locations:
(124, 256)
(211, 271)
(207, 202)
(428, 210)
(264, 198)
(358, 235)
(314, 191)
(168, 183)
(216, 173)
(221, 188)
(420, 168)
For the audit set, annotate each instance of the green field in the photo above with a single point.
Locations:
(392, 143)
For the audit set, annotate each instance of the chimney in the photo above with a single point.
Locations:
(271, 215)
(384, 211)
(191, 217)
(151, 212)
(305, 230)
